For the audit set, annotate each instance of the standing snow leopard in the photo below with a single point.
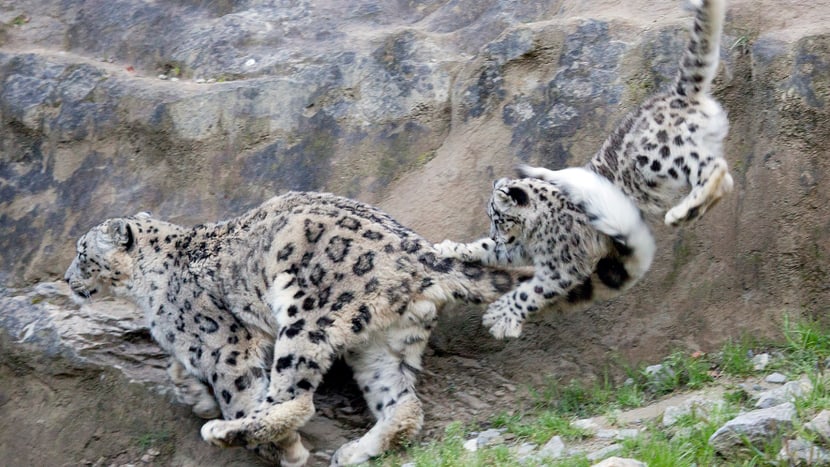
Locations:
(254, 310)
(666, 156)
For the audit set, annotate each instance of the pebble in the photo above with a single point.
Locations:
(776, 378)
(553, 449)
(491, 436)
(162, 76)
(760, 361)
(586, 424)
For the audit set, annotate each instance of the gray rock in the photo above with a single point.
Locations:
(490, 437)
(776, 378)
(760, 361)
(604, 452)
(588, 424)
(786, 393)
(758, 427)
(553, 449)
(802, 452)
(820, 426)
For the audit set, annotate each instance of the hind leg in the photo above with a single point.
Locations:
(250, 387)
(298, 368)
(386, 372)
(192, 392)
(713, 183)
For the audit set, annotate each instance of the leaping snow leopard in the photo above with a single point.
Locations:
(666, 157)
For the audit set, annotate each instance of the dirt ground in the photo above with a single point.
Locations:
(56, 412)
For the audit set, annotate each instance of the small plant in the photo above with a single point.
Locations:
(20, 20)
(807, 345)
(153, 439)
(734, 358)
(630, 396)
(737, 397)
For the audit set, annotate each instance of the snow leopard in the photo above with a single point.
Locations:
(665, 158)
(254, 310)
(667, 154)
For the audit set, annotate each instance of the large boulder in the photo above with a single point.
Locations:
(415, 107)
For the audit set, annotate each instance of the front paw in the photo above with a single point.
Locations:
(447, 249)
(224, 433)
(350, 454)
(676, 215)
(502, 321)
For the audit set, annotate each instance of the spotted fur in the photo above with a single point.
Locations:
(254, 310)
(667, 154)
(666, 157)
(586, 240)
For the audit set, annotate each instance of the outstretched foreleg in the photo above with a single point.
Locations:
(505, 316)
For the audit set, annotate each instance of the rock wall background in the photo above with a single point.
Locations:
(415, 106)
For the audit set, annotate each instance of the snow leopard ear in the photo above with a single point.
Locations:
(121, 233)
(514, 196)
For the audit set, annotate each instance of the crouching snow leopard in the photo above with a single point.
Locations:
(255, 309)
(665, 155)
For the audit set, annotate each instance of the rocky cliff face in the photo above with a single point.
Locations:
(416, 107)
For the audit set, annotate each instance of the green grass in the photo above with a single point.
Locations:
(153, 439)
(803, 351)
(540, 428)
(734, 358)
(807, 345)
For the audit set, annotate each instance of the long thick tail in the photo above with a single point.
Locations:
(611, 212)
(700, 60)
